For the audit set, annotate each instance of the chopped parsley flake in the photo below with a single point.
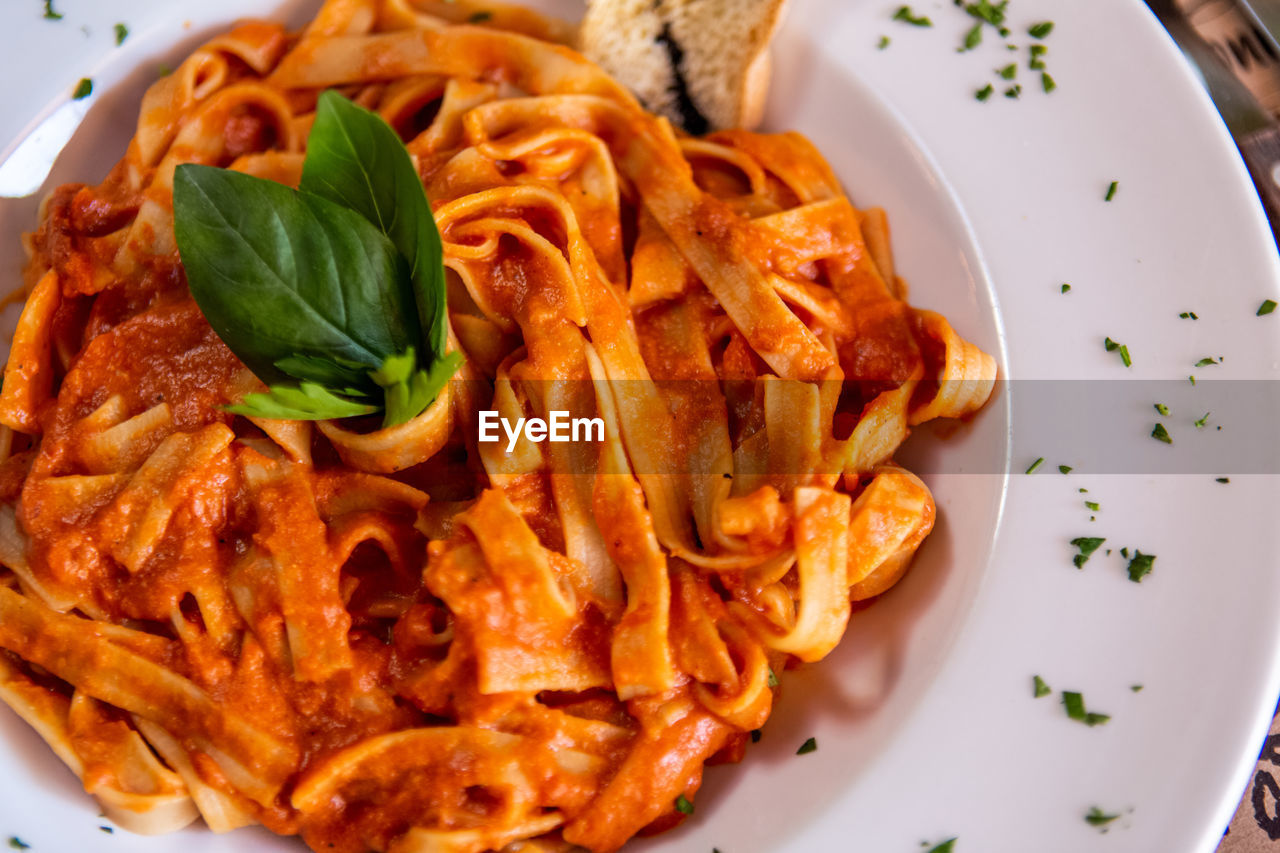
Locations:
(1087, 545)
(1222, 480)
(1066, 288)
(1140, 566)
(1013, 91)
(905, 14)
(1192, 378)
(1093, 505)
(1112, 346)
(1097, 817)
(108, 830)
(1200, 424)
(49, 15)
(992, 13)
(122, 33)
(984, 93)
(773, 679)
(811, 745)
(1047, 82)
(1039, 688)
(1083, 491)
(14, 841)
(1266, 308)
(1206, 361)
(1136, 688)
(1111, 191)
(1034, 465)
(973, 38)
(883, 43)
(83, 89)
(1036, 62)
(1009, 71)
(1162, 409)
(683, 805)
(1040, 30)
(1159, 433)
(947, 846)
(1074, 703)
(1188, 315)
(1064, 469)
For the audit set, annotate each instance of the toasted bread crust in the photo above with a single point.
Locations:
(704, 64)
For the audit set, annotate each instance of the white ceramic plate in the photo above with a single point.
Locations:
(924, 717)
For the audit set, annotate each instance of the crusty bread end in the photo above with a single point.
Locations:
(702, 63)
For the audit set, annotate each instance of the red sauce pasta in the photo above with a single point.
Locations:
(404, 639)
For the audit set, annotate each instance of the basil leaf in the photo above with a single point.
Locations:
(284, 275)
(355, 159)
(307, 402)
(330, 372)
(408, 392)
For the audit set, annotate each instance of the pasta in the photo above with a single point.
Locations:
(406, 639)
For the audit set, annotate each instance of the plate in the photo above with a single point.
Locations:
(924, 717)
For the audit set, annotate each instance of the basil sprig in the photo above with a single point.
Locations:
(334, 293)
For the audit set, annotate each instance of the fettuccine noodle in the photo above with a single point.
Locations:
(403, 639)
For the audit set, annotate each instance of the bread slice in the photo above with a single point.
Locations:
(704, 64)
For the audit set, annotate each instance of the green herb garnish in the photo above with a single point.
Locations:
(1200, 424)
(1039, 688)
(1188, 315)
(1064, 469)
(14, 841)
(1034, 465)
(108, 830)
(1047, 82)
(1066, 288)
(1206, 361)
(973, 37)
(82, 90)
(810, 745)
(1092, 505)
(1162, 409)
(984, 93)
(1159, 433)
(1112, 346)
(1097, 817)
(1111, 191)
(883, 43)
(683, 805)
(1140, 566)
(1036, 62)
(1013, 91)
(992, 13)
(905, 14)
(332, 294)
(773, 679)
(1266, 308)
(1009, 71)
(49, 15)
(1040, 30)
(1087, 545)
(122, 33)
(947, 846)
(1136, 688)
(1222, 479)
(1074, 703)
